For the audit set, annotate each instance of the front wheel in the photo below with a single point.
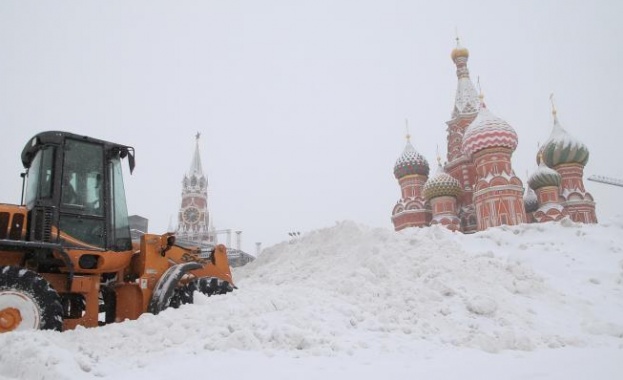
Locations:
(183, 295)
(27, 301)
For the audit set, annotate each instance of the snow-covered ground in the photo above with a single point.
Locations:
(539, 301)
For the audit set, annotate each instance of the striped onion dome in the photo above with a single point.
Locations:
(488, 131)
(530, 201)
(562, 148)
(544, 176)
(410, 162)
(441, 184)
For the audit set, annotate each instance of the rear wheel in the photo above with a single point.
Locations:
(27, 302)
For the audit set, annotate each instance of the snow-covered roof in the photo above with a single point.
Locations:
(466, 98)
(488, 131)
(544, 176)
(441, 184)
(562, 148)
(546, 207)
(531, 203)
(410, 162)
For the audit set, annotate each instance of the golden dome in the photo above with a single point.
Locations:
(459, 51)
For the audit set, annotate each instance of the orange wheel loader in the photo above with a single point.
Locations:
(67, 258)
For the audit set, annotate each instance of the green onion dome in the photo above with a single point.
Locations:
(544, 176)
(562, 148)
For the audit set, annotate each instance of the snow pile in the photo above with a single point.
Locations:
(354, 286)
(349, 290)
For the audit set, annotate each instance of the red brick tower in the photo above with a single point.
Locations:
(568, 157)
(442, 191)
(411, 170)
(460, 166)
(546, 183)
(490, 142)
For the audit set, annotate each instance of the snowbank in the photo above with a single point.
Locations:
(355, 291)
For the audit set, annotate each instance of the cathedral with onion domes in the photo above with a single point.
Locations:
(477, 187)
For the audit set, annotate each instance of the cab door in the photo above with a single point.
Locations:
(82, 213)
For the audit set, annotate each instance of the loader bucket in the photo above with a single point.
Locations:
(217, 266)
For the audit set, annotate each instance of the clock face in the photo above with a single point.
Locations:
(191, 215)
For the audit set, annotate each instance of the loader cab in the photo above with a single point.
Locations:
(74, 191)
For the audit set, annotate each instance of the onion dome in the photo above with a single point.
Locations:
(459, 52)
(544, 176)
(488, 131)
(562, 148)
(441, 184)
(530, 201)
(410, 162)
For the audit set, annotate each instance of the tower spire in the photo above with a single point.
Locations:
(438, 155)
(408, 135)
(195, 165)
(459, 51)
(481, 95)
(466, 99)
(554, 111)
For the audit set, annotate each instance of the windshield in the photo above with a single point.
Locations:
(82, 210)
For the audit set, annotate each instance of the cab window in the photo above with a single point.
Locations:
(39, 183)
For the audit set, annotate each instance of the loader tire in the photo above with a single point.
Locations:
(27, 301)
(213, 286)
(165, 288)
(208, 286)
(183, 295)
(187, 293)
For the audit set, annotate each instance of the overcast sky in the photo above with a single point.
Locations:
(301, 104)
